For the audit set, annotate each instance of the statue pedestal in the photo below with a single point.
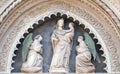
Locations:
(58, 70)
(31, 70)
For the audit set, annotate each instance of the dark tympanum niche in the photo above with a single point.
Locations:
(45, 29)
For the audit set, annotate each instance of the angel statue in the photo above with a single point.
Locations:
(31, 55)
(62, 43)
(83, 58)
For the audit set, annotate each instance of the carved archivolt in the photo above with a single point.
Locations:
(20, 18)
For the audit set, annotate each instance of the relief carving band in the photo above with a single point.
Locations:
(32, 63)
(62, 42)
(83, 58)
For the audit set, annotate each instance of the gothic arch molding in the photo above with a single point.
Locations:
(20, 19)
(41, 23)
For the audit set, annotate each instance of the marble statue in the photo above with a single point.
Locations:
(62, 42)
(33, 63)
(83, 58)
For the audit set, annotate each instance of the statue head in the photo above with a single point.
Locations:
(60, 23)
(38, 37)
(80, 38)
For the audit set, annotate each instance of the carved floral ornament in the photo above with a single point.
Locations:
(96, 27)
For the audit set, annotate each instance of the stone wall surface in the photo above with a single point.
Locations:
(102, 17)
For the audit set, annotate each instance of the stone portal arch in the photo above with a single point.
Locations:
(45, 28)
(90, 13)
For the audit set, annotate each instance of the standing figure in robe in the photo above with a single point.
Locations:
(83, 58)
(62, 43)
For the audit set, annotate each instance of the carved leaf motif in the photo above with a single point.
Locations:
(26, 45)
(91, 45)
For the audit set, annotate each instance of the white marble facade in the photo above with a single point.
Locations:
(101, 17)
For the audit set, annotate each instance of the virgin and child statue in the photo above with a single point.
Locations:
(62, 42)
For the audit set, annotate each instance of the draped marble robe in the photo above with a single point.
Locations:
(34, 60)
(83, 58)
(62, 42)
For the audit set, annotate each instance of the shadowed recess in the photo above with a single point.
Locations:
(45, 29)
